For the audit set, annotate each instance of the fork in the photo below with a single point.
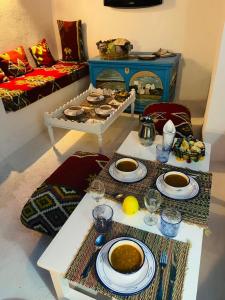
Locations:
(163, 263)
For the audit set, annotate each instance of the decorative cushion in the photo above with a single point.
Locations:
(71, 40)
(179, 114)
(14, 63)
(53, 202)
(41, 54)
(3, 77)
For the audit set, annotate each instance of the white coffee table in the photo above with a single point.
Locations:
(56, 119)
(61, 251)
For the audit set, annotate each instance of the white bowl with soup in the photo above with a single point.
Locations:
(176, 182)
(126, 168)
(126, 258)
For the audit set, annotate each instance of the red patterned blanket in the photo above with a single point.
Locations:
(26, 89)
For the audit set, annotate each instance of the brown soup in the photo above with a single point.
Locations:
(126, 259)
(126, 166)
(176, 180)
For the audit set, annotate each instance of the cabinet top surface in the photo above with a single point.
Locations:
(134, 60)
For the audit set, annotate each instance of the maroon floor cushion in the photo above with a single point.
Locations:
(52, 203)
(179, 114)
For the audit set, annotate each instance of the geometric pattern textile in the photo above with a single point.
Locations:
(41, 82)
(177, 113)
(15, 63)
(71, 40)
(3, 77)
(52, 203)
(42, 54)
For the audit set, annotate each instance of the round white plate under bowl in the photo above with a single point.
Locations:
(190, 194)
(141, 173)
(92, 99)
(126, 287)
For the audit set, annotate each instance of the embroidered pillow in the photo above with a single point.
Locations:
(41, 54)
(15, 63)
(3, 77)
(179, 114)
(71, 40)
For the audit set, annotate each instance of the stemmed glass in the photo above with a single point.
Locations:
(152, 200)
(97, 190)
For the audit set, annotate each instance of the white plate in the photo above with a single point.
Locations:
(94, 99)
(111, 281)
(141, 173)
(190, 194)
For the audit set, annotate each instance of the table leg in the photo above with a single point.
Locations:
(51, 135)
(132, 109)
(100, 142)
(57, 285)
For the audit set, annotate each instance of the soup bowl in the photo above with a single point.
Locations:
(177, 182)
(126, 259)
(126, 168)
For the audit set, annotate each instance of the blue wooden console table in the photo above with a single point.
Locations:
(153, 80)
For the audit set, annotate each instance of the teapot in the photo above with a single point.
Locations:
(146, 130)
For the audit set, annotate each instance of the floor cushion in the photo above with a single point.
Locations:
(24, 90)
(179, 114)
(52, 203)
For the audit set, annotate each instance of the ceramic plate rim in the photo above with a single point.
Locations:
(189, 196)
(136, 179)
(141, 244)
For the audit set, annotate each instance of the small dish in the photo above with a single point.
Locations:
(121, 284)
(104, 110)
(191, 193)
(139, 175)
(95, 99)
(134, 271)
(186, 186)
(147, 57)
(73, 111)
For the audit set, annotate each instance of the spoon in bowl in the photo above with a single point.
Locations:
(99, 242)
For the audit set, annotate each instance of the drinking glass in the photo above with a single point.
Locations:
(170, 222)
(162, 154)
(97, 190)
(102, 215)
(152, 201)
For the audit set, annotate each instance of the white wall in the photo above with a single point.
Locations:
(25, 22)
(214, 121)
(187, 26)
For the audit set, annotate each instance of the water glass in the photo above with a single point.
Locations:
(152, 200)
(97, 190)
(102, 215)
(162, 154)
(170, 222)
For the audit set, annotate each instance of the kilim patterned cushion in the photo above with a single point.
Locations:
(15, 63)
(179, 114)
(53, 202)
(3, 77)
(71, 40)
(42, 54)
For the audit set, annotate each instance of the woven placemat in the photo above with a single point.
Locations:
(194, 211)
(155, 242)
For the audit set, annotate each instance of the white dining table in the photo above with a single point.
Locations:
(63, 248)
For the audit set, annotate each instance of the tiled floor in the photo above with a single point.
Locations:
(20, 278)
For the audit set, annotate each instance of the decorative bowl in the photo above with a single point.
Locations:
(114, 49)
(73, 112)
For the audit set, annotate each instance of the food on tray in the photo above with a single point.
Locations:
(189, 149)
(121, 96)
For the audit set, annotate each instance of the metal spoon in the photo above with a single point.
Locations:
(99, 242)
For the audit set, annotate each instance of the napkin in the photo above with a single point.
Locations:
(169, 132)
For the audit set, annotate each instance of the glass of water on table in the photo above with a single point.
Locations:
(102, 215)
(97, 190)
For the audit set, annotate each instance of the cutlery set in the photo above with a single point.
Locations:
(163, 263)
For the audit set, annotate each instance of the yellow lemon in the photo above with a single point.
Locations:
(130, 205)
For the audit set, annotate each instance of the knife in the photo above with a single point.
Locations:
(173, 272)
